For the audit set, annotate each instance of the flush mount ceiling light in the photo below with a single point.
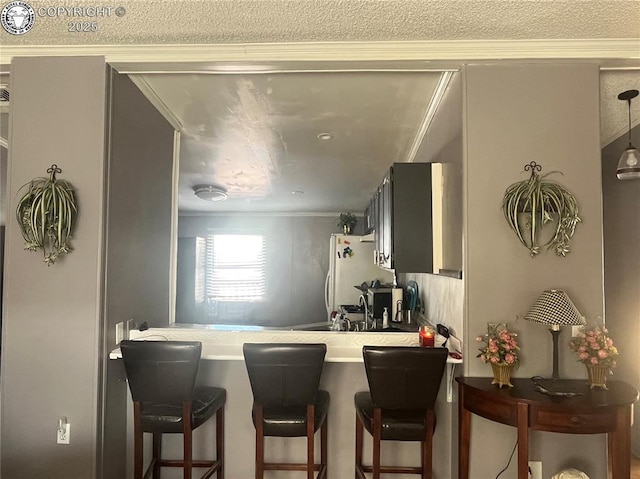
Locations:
(628, 165)
(325, 136)
(210, 192)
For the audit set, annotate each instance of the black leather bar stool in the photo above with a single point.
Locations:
(399, 406)
(287, 402)
(162, 377)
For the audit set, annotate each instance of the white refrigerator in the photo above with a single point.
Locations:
(350, 265)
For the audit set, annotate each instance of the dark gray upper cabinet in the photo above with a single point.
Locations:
(414, 227)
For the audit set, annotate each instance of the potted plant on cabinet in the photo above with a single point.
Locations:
(347, 222)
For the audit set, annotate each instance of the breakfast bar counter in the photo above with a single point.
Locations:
(343, 376)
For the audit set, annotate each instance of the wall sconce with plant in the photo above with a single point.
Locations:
(47, 215)
(530, 205)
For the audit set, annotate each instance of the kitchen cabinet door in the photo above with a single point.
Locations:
(386, 250)
(416, 224)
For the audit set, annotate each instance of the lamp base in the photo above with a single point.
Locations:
(555, 332)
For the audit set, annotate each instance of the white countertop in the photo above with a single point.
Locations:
(342, 347)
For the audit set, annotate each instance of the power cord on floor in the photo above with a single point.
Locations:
(509, 463)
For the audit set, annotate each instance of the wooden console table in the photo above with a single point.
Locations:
(595, 411)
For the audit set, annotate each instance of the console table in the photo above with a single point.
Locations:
(594, 411)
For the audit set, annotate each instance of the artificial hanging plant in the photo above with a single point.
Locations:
(347, 221)
(47, 215)
(530, 205)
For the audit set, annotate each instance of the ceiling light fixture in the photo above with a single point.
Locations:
(325, 136)
(210, 192)
(628, 165)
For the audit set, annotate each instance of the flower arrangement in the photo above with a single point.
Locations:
(500, 345)
(594, 347)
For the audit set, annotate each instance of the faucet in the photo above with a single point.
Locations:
(340, 323)
(363, 302)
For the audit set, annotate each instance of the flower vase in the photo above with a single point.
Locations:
(502, 374)
(597, 376)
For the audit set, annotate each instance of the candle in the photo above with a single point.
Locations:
(427, 338)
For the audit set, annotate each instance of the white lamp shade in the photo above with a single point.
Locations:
(629, 164)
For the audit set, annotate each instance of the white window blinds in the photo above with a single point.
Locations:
(236, 267)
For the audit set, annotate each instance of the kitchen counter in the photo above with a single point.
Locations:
(343, 375)
(226, 344)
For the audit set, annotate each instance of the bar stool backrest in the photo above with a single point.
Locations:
(284, 374)
(403, 377)
(161, 371)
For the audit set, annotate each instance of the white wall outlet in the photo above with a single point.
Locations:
(575, 330)
(64, 431)
(119, 332)
(535, 468)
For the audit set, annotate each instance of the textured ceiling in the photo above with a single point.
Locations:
(220, 22)
(269, 21)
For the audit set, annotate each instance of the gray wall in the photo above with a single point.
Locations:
(297, 262)
(138, 246)
(52, 315)
(515, 114)
(621, 266)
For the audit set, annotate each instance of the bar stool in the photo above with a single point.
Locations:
(399, 406)
(162, 377)
(286, 400)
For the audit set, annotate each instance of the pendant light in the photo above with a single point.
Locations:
(629, 163)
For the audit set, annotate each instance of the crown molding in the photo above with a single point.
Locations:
(611, 51)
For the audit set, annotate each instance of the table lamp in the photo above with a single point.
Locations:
(555, 309)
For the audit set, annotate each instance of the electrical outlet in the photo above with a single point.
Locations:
(64, 431)
(119, 332)
(536, 469)
(575, 330)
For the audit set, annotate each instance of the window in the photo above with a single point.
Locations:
(235, 267)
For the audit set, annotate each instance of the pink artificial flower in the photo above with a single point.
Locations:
(594, 360)
(603, 354)
(509, 358)
(583, 355)
(494, 359)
